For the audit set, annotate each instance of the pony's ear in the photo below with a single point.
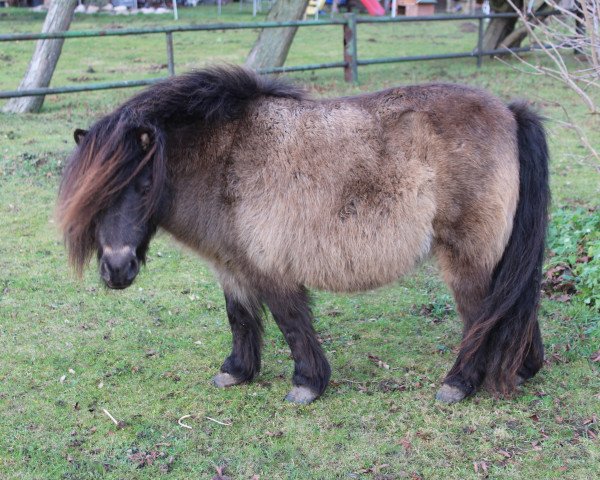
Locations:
(145, 140)
(78, 135)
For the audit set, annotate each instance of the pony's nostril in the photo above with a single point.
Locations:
(104, 270)
(133, 269)
(118, 269)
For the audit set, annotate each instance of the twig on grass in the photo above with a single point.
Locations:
(119, 424)
(183, 424)
(227, 424)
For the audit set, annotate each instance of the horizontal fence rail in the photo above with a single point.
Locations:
(170, 29)
(350, 62)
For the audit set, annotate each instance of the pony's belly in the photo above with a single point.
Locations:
(352, 253)
(360, 267)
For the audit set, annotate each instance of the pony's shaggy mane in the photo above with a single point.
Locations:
(111, 154)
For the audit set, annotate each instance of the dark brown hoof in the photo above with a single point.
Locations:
(449, 394)
(223, 380)
(301, 395)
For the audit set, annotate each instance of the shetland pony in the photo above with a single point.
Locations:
(279, 193)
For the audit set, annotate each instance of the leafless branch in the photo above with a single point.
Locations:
(558, 37)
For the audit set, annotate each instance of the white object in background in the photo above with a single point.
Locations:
(394, 8)
(485, 8)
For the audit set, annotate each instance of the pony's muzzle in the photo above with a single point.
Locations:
(118, 269)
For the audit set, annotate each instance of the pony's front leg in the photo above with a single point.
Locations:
(292, 313)
(246, 327)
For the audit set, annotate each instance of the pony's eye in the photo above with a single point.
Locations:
(143, 184)
(143, 187)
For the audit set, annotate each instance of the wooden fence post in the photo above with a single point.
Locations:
(170, 56)
(350, 50)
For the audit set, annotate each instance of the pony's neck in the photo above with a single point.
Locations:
(198, 161)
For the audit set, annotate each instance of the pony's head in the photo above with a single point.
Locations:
(111, 196)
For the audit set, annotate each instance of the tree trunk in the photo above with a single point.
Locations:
(499, 28)
(515, 39)
(273, 44)
(45, 57)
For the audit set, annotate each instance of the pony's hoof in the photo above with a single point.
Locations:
(223, 380)
(449, 394)
(301, 395)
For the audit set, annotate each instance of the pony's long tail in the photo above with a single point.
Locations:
(507, 330)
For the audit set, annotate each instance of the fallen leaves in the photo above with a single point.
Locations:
(436, 310)
(588, 427)
(505, 453)
(592, 419)
(143, 459)
(481, 465)
(559, 283)
(221, 475)
(64, 377)
(374, 469)
(166, 467)
(171, 376)
(387, 386)
(377, 361)
(535, 417)
(147, 458)
(405, 442)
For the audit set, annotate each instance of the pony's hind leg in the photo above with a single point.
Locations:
(246, 327)
(292, 314)
(469, 284)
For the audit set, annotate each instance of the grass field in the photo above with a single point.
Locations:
(71, 349)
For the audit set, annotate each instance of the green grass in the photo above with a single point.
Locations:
(147, 354)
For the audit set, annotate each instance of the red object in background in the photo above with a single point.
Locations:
(373, 7)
